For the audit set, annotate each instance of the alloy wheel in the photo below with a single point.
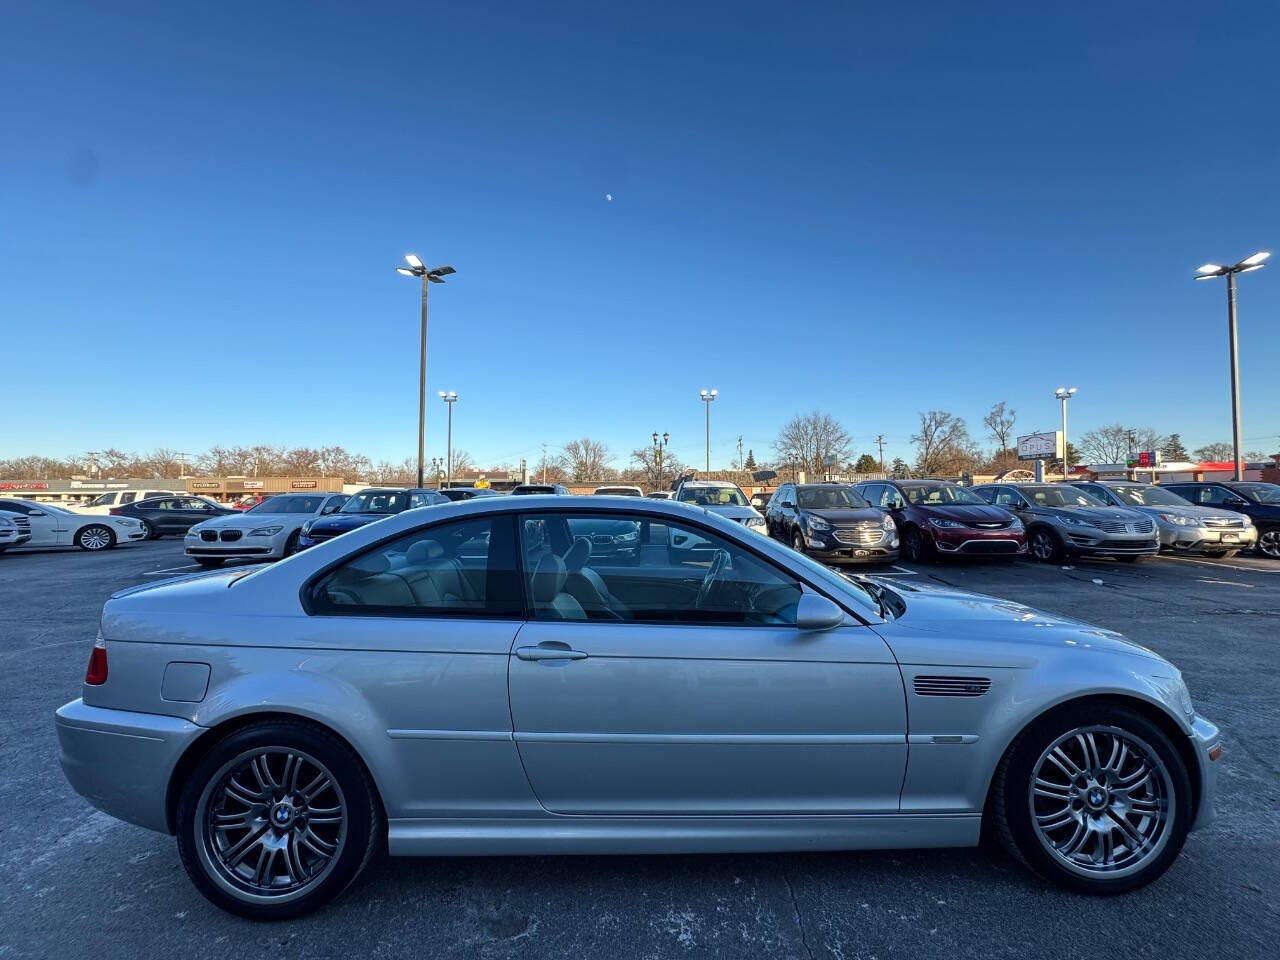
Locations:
(1102, 801)
(1269, 543)
(272, 823)
(95, 538)
(148, 532)
(1042, 546)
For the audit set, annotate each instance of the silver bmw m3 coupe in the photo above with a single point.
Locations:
(478, 678)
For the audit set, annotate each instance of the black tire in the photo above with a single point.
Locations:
(1269, 543)
(1045, 546)
(148, 531)
(797, 541)
(917, 547)
(355, 840)
(291, 545)
(1011, 809)
(95, 537)
(208, 562)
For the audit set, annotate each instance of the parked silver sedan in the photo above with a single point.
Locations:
(461, 680)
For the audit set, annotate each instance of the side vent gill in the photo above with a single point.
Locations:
(951, 686)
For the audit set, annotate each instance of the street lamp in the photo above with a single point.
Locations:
(417, 268)
(1064, 394)
(450, 398)
(658, 448)
(1207, 272)
(708, 397)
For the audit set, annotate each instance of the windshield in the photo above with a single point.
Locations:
(1148, 496)
(287, 505)
(829, 498)
(941, 495)
(103, 499)
(1060, 495)
(376, 501)
(713, 496)
(1261, 492)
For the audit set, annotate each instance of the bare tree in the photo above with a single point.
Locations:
(1217, 452)
(462, 462)
(1113, 443)
(999, 421)
(943, 445)
(650, 474)
(807, 440)
(586, 460)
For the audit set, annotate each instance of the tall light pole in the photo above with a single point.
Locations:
(417, 268)
(1064, 394)
(1206, 272)
(708, 397)
(450, 398)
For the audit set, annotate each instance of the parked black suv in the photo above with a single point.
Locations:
(365, 507)
(832, 523)
(1258, 501)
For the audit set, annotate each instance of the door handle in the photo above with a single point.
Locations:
(550, 650)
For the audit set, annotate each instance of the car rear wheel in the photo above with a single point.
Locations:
(1269, 543)
(290, 545)
(1094, 797)
(1044, 546)
(95, 537)
(277, 820)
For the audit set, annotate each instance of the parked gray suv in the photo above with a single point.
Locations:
(1184, 527)
(1064, 521)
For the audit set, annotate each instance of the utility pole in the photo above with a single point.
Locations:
(880, 444)
(544, 463)
(1130, 436)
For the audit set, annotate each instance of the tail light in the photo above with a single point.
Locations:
(96, 673)
(114, 511)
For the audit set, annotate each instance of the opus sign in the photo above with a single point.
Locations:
(1040, 446)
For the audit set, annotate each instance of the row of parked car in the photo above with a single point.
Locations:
(923, 520)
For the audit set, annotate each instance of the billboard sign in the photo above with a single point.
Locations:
(1040, 446)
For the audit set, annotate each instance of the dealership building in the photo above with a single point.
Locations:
(78, 491)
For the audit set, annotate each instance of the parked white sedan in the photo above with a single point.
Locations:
(53, 526)
(268, 531)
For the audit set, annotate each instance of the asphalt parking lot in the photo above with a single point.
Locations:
(79, 883)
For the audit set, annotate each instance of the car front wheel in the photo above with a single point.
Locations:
(95, 537)
(277, 820)
(1044, 546)
(148, 531)
(916, 547)
(1093, 797)
(797, 541)
(1269, 543)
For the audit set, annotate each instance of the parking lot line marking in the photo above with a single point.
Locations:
(1225, 583)
(1224, 566)
(189, 566)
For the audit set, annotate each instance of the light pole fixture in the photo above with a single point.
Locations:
(450, 398)
(659, 445)
(1064, 394)
(708, 397)
(1207, 272)
(417, 268)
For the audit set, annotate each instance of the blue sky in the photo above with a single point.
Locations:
(863, 210)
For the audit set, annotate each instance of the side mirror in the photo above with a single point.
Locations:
(328, 510)
(816, 612)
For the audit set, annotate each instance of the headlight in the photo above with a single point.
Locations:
(817, 523)
(266, 531)
(1247, 520)
(1074, 521)
(946, 524)
(193, 531)
(1180, 521)
(755, 521)
(1016, 525)
(626, 537)
(887, 522)
(306, 529)
(1176, 693)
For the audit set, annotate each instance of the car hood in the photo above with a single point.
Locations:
(247, 521)
(846, 514)
(342, 522)
(967, 513)
(733, 513)
(1094, 514)
(939, 620)
(1189, 510)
